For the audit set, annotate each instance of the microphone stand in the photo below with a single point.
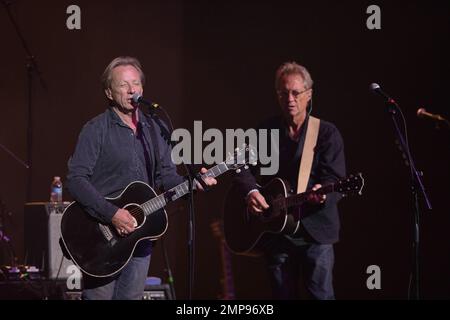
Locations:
(3, 213)
(31, 69)
(3, 235)
(168, 270)
(14, 156)
(416, 188)
(191, 175)
(438, 125)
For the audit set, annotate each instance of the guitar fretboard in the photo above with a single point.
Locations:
(180, 190)
(298, 199)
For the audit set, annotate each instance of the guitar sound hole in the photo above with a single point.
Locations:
(264, 215)
(137, 212)
(268, 213)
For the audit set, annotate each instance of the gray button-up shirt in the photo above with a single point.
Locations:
(109, 156)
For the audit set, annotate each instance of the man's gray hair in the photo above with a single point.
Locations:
(293, 67)
(121, 61)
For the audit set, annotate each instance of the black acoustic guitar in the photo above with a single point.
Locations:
(98, 250)
(244, 231)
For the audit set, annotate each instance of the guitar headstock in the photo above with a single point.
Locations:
(242, 157)
(351, 184)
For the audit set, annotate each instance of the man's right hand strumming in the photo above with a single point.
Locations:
(256, 203)
(124, 222)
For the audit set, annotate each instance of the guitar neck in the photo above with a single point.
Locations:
(345, 186)
(299, 199)
(180, 190)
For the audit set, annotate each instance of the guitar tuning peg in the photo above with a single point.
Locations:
(246, 167)
(254, 164)
(238, 170)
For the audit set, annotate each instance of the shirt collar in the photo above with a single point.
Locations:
(114, 117)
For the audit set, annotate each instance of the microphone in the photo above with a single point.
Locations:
(137, 98)
(422, 113)
(375, 87)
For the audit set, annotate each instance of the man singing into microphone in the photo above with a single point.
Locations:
(114, 149)
(310, 250)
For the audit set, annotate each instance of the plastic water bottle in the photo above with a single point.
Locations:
(56, 190)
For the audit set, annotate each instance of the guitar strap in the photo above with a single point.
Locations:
(312, 132)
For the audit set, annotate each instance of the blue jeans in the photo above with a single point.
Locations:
(129, 284)
(315, 263)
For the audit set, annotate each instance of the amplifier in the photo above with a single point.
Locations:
(157, 292)
(152, 292)
(57, 290)
(42, 231)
